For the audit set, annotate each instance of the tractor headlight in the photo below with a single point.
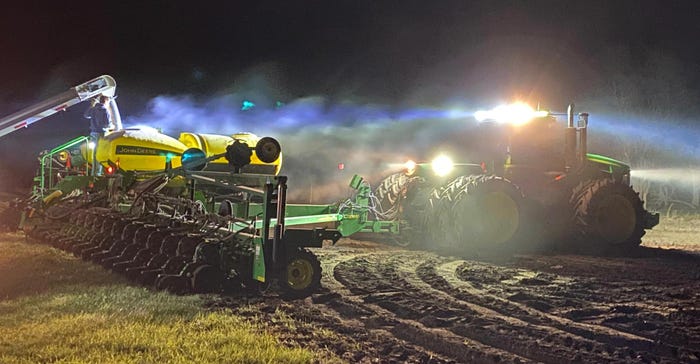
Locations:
(442, 165)
(517, 114)
(410, 167)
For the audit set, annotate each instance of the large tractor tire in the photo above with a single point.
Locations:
(476, 213)
(390, 196)
(608, 214)
(301, 274)
(389, 193)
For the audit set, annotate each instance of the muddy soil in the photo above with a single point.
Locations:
(380, 303)
(383, 304)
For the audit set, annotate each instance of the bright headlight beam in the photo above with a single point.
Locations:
(410, 167)
(518, 113)
(442, 165)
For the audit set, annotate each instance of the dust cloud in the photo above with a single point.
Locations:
(318, 138)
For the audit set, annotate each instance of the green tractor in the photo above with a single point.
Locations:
(521, 192)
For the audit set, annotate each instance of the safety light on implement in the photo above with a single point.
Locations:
(442, 165)
(109, 171)
(518, 113)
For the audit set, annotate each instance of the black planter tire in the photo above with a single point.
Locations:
(301, 274)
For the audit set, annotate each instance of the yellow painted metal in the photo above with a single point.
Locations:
(141, 150)
(148, 149)
(300, 273)
(213, 144)
(210, 144)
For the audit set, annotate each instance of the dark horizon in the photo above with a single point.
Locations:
(373, 51)
(628, 57)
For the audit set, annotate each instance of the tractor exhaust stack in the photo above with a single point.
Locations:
(583, 137)
(570, 141)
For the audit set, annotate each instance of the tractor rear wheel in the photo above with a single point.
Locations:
(484, 213)
(608, 214)
(301, 274)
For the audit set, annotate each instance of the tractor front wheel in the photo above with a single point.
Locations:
(608, 214)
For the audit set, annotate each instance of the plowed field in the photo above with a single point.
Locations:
(383, 304)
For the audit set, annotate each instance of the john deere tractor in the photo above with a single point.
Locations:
(530, 187)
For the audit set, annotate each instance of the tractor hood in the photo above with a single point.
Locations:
(608, 164)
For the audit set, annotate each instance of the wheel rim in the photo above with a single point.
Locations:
(299, 274)
(615, 219)
(499, 218)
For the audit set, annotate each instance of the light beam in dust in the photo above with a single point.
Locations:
(316, 136)
(686, 177)
(679, 137)
(367, 139)
(224, 115)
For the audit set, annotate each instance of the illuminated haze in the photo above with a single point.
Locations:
(371, 140)
(316, 137)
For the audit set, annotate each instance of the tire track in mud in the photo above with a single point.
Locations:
(353, 302)
(618, 343)
(393, 305)
(416, 300)
(651, 293)
(443, 277)
(402, 281)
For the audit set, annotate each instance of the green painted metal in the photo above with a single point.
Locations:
(352, 224)
(311, 219)
(350, 220)
(71, 183)
(291, 221)
(356, 216)
(391, 227)
(259, 271)
(356, 182)
(255, 209)
(611, 163)
(605, 160)
(259, 263)
(43, 186)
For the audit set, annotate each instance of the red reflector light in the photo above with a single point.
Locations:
(110, 170)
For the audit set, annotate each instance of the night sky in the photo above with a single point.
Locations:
(398, 54)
